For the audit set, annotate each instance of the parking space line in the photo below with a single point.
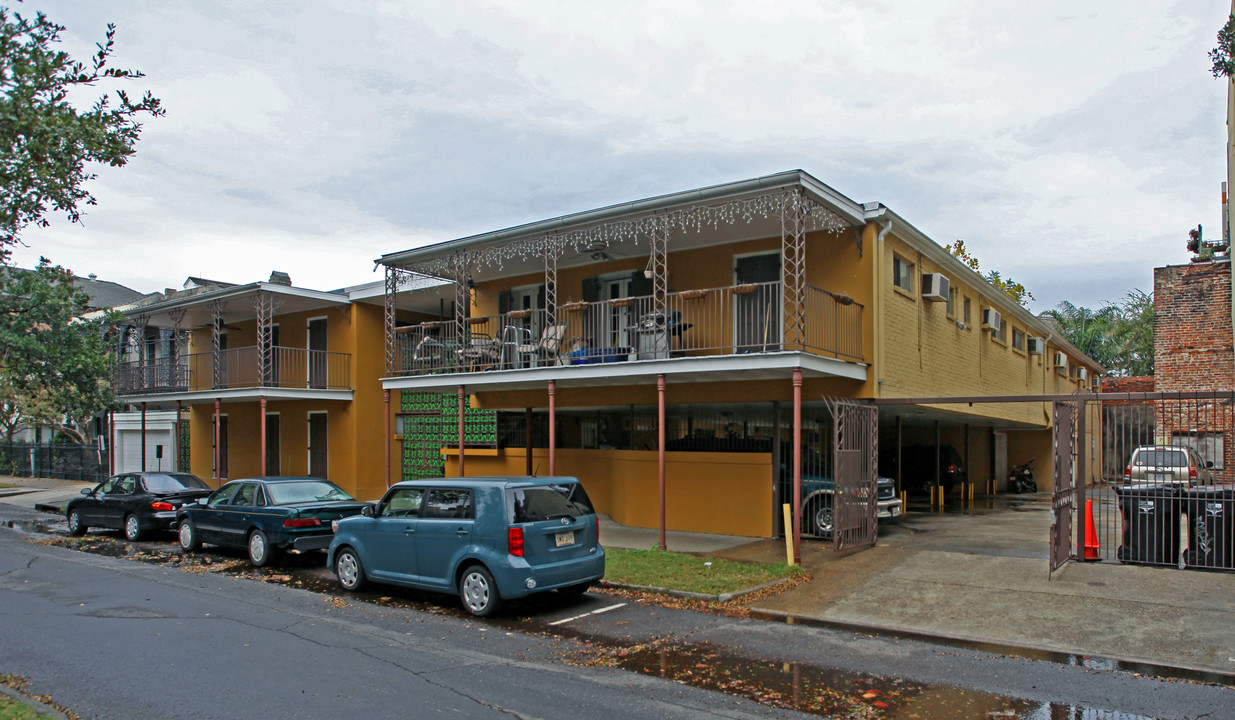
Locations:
(594, 612)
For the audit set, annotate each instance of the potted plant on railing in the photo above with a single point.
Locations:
(477, 320)
(745, 288)
(519, 314)
(695, 294)
(575, 306)
(621, 302)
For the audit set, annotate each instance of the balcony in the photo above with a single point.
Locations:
(726, 321)
(237, 368)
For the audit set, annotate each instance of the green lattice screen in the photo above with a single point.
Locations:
(431, 422)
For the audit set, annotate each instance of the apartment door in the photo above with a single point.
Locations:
(317, 445)
(757, 314)
(615, 320)
(317, 353)
(272, 444)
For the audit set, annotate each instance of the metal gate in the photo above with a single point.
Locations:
(1063, 503)
(855, 436)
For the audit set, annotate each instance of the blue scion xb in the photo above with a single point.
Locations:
(485, 539)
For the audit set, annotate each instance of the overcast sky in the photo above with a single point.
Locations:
(1071, 145)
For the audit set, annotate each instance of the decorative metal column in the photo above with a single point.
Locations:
(392, 292)
(143, 437)
(659, 264)
(179, 430)
(462, 296)
(218, 439)
(550, 256)
(264, 305)
(216, 340)
(793, 250)
(173, 352)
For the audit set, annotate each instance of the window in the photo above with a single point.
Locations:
(449, 504)
(951, 302)
(1207, 445)
(902, 274)
(966, 318)
(1018, 339)
(403, 502)
(1001, 333)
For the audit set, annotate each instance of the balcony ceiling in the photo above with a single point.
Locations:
(239, 305)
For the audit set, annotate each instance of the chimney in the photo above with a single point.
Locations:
(280, 278)
(92, 276)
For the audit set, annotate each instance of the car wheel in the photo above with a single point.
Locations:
(188, 536)
(478, 591)
(348, 569)
(821, 520)
(76, 527)
(575, 590)
(132, 528)
(259, 549)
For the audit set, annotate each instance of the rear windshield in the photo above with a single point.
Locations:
(1161, 458)
(307, 491)
(174, 483)
(547, 502)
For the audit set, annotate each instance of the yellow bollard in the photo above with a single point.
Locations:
(788, 533)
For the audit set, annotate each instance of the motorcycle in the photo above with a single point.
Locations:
(1020, 480)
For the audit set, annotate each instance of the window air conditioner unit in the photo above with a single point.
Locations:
(990, 319)
(1037, 345)
(1061, 361)
(935, 287)
(1082, 374)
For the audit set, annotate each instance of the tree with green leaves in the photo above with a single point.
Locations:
(1223, 55)
(49, 146)
(1120, 336)
(1008, 286)
(55, 369)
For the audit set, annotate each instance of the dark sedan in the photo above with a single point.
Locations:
(134, 503)
(269, 514)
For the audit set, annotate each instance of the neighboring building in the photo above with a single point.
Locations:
(719, 303)
(262, 379)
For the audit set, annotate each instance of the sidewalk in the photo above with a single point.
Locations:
(980, 575)
(45, 494)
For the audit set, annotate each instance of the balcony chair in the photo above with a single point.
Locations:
(545, 351)
(482, 353)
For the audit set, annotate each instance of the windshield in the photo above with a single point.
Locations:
(1161, 458)
(174, 482)
(548, 502)
(283, 493)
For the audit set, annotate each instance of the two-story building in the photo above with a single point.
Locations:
(677, 352)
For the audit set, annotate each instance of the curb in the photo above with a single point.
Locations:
(722, 598)
(37, 706)
(49, 508)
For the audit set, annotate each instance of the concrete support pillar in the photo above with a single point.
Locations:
(386, 418)
(462, 399)
(797, 466)
(660, 452)
(552, 428)
(262, 432)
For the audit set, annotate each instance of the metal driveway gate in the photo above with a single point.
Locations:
(855, 436)
(1063, 503)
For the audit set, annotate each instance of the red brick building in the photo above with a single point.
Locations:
(1194, 350)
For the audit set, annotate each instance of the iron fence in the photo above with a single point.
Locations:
(67, 461)
(1165, 494)
(283, 367)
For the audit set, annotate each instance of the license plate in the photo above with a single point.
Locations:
(1161, 477)
(565, 538)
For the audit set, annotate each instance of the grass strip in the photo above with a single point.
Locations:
(707, 574)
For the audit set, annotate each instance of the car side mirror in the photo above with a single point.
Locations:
(87, 491)
(1209, 464)
(367, 511)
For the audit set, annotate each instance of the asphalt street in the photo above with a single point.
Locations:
(115, 638)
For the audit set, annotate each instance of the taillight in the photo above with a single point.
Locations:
(1128, 473)
(1191, 472)
(162, 506)
(951, 467)
(514, 541)
(301, 522)
(597, 529)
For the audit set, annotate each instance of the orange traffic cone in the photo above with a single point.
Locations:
(1093, 550)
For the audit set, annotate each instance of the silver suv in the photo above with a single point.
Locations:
(1172, 464)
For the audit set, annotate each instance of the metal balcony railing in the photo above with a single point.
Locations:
(732, 320)
(285, 367)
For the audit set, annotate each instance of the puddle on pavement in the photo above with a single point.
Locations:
(831, 692)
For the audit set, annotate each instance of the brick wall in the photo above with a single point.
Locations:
(1193, 352)
(1192, 327)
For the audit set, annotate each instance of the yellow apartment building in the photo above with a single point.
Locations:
(675, 353)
